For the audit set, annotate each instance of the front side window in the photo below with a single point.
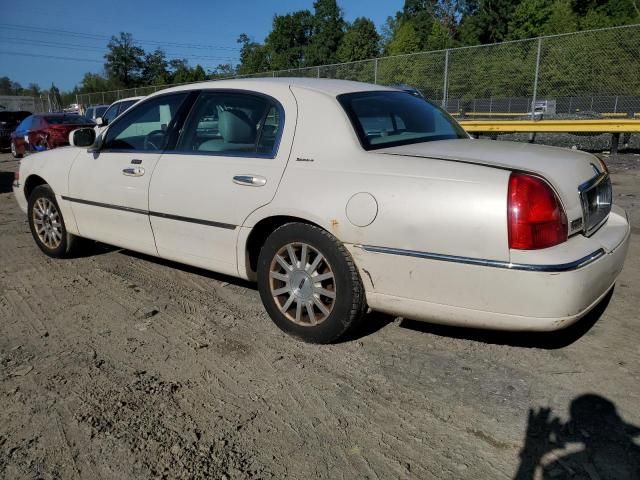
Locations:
(145, 127)
(385, 119)
(234, 123)
(110, 115)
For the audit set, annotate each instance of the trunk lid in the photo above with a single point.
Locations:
(566, 170)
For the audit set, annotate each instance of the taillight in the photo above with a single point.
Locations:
(535, 216)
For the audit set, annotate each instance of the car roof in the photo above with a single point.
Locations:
(126, 99)
(328, 86)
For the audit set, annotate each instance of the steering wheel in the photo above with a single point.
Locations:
(149, 140)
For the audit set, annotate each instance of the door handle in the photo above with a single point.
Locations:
(250, 180)
(133, 171)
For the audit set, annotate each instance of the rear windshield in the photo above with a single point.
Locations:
(387, 119)
(67, 120)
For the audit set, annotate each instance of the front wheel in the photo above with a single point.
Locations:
(309, 283)
(47, 225)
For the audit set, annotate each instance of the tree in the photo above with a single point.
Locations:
(5, 86)
(487, 21)
(286, 45)
(253, 56)
(180, 71)
(124, 59)
(359, 42)
(155, 68)
(328, 28)
(198, 74)
(405, 40)
(33, 90)
(223, 70)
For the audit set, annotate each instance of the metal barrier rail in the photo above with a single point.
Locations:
(525, 114)
(613, 126)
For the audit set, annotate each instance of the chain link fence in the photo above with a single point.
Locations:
(589, 73)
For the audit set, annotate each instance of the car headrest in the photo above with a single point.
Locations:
(235, 126)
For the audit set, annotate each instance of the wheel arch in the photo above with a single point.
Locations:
(259, 234)
(31, 183)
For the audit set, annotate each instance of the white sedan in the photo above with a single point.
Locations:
(336, 196)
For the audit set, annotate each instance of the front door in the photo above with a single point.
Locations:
(226, 164)
(108, 189)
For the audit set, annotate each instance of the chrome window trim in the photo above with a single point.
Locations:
(239, 91)
(561, 267)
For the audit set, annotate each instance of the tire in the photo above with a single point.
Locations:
(14, 151)
(47, 225)
(319, 311)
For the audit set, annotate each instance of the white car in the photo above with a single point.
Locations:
(115, 109)
(337, 196)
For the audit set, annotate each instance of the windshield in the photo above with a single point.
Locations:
(386, 119)
(67, 120)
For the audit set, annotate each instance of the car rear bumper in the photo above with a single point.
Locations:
(533, 296)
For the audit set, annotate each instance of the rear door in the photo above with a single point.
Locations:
(227, 163)
(108, 189)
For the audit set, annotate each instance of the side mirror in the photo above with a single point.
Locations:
(82, 137)
(101, 122)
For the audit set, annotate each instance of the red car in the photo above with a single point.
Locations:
(44, 131)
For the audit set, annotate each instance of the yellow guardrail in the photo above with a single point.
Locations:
(525, 114)
(622, 125)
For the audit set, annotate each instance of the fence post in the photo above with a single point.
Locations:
(446, 79)
(103, 98)
(535, 81)
(318, 75)
(135, 92)
(615, 106)
(375, 72)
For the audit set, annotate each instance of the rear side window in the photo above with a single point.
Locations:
(232, 123)
(386, 119)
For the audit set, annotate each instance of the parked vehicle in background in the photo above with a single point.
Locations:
(73, 108)
(9, 121)
(94, 111)
(45, 131)
(336, 196)
(114, 110)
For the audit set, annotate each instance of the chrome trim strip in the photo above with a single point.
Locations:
(169, 216)
(209, 223)
(561, 267)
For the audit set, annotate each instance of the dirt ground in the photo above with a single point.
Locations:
(119, 366)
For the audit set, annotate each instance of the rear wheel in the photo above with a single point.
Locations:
(14, 151)
(309, 283)
(47, 225)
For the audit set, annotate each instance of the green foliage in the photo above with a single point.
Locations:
(405, 39)
(124, 59)
(287, 44)
(327, 31)
(359, 42)
(155, 69)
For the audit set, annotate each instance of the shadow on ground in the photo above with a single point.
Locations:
(6, 182)
(602, 443)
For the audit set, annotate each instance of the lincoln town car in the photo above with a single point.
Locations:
(337, 197)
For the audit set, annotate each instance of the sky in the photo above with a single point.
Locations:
(202, 31)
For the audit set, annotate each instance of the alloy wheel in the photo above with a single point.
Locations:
(47, 222)
(302, 284)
